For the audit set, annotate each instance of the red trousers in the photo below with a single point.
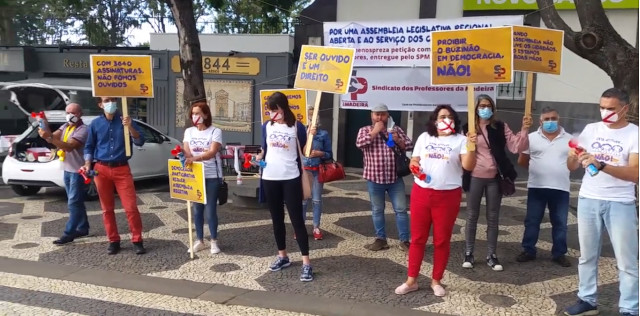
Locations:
(120, 179)
(441, 208)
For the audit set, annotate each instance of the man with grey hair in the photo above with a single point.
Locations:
(548, 186)
(70, 139)
(381, 176)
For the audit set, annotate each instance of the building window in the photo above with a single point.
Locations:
(516, 90)
(138, 108)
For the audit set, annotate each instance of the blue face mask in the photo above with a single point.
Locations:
(550, 126)
(110, 107)
(485, 113)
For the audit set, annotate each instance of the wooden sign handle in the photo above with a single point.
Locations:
(314, 122)
(529, 96)
(127, 141)
(189, 220)
(471, 113)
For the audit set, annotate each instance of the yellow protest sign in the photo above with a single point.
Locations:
(475, 56)
(187, 183)
(537, 50)
(326, 69)
(122, 76)
(297, 102)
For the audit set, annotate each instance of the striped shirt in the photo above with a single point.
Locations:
(379, 159)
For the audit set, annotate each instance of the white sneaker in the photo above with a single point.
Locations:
(214, 247)
(197, 246)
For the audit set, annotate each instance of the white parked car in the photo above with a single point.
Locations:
(27, 169)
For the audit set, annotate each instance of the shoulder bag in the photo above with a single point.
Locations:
(305, 175)
(401, 160)
(507, 187)
(223, 188)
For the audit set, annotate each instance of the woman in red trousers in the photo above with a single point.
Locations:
(439, 156)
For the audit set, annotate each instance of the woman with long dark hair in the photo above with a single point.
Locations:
(282, 179)
(439, 156)
(203, 142)
(492, 164)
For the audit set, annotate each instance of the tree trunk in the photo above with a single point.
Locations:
(599, 43)
(190, 54)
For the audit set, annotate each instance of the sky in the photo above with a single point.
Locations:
(141, 35)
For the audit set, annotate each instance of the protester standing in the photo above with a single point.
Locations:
(381, 176)
(494, 137)
(202, 143)
(440, 154)
(106, 145)
(283, 138)
(548, 185)
(70, 139)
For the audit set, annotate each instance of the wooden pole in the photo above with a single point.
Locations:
(127, 140)
(471, 113)
(191, 253)
(314, 122)
(529, 96)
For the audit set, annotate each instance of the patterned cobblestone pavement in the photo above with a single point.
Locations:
(344, 269)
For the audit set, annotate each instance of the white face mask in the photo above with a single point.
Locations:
(275, 116)
(71, 119)
(446, 126)
(609, 117)
(196, 119)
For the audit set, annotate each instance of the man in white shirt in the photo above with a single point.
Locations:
(548, 187)
(609, 151)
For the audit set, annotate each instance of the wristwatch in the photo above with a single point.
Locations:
(602, 165)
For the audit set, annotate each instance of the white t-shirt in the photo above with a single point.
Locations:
(613, 147)
(200, 142)
(548, 163)
(440, 159)
(282, 152)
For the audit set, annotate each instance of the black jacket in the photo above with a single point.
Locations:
(497, 143)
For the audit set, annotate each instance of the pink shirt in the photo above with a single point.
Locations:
(485, 165)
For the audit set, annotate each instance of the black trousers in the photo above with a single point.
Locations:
(289, 192)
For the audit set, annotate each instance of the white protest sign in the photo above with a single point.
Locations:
(404, 89)
(401, 43)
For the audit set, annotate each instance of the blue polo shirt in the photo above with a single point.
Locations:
(105, 141)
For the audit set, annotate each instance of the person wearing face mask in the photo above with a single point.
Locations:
(321, 151)
(548, 186)
(381, 176)
(283, 137)
(105, 144)
(70, 139)
(492, 163)
(441, 153)
(607, 201)
(202, 142)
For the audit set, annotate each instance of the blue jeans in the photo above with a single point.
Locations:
(558, 202)
(316, 200)
(398, 200)
(211, 186)
(620, 220)
(78, 223)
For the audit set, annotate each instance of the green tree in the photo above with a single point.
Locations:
(256, 17)
(598, 42)
(35, 22)
(106, 22)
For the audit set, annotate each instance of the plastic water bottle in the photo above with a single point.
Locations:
(239, 179)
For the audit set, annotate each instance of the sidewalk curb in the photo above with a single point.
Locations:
(216, 293)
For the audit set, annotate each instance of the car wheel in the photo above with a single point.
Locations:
(25, 190)
(92, 192)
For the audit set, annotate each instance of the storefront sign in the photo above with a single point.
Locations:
(401, 43)
(325, 69)
(475, 5)
(404, 89)
(297, 102)
(478, 56)
(187, 183)
(122, 76)
(214, 65)
(537, 49)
